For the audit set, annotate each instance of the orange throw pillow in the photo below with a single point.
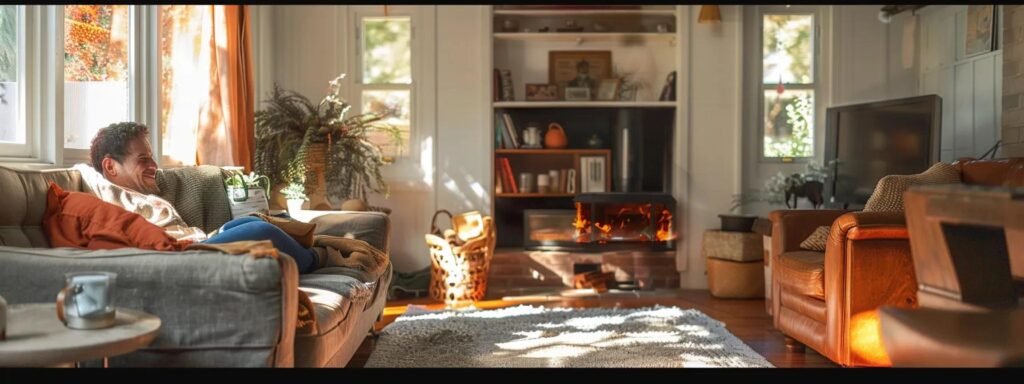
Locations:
(81, 220)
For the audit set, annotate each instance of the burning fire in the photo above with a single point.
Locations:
(581, 224)
(665, 232)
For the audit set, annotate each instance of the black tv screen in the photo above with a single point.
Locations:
(872, 140)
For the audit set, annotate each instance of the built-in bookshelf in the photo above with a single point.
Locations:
(642, 43)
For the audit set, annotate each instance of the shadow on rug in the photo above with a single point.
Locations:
(528, 336)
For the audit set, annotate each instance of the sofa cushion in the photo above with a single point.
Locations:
(333, 297)
(81, 220)
(802, 272)
(23, 193)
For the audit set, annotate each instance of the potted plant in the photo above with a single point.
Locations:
(296, 195)
(778, 190)
(320, 146)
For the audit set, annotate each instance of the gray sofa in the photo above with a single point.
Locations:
(217, 310)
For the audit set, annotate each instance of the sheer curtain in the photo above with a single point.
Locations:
(207, 108)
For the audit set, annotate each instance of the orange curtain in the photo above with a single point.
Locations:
(224, 135)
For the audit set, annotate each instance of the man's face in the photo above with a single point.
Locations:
(137, 171)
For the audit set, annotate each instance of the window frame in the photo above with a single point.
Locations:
(415, 169)
(30, 148)
(816, 78)
(136, 24)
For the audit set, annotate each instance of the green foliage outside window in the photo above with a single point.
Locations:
(8, 43)
(799, 116)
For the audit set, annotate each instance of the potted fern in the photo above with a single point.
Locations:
(296, 195)
(320, 146)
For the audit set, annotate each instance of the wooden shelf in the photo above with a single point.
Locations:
(533, 195)
(582, 37)
(584, 104)
(521, 151)
(584, 12)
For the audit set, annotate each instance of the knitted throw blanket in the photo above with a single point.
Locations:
(198, 194)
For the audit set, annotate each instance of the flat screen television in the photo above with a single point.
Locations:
(872, 140)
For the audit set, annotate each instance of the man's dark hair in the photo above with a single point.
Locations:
(113, 140)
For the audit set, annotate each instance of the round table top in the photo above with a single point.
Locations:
(36, 337)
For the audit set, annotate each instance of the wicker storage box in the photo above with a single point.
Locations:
(736, 280)
(735, 246)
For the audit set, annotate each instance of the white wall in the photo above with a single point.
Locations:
(715, 125)
(970, 87)
(309, 47)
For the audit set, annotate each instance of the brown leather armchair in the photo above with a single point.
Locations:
(817, 296)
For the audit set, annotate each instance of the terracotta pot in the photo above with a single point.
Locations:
(555, 138)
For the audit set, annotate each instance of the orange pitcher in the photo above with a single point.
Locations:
(555, 138)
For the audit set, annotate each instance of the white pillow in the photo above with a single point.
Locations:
(158, 211)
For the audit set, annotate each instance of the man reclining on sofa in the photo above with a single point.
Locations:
(124, 172)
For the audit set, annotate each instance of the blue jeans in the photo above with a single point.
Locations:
(253, 228)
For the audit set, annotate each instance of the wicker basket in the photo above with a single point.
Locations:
(459, 272)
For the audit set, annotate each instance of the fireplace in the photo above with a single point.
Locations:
(605, 221)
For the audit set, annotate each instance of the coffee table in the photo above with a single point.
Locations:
(35, 337)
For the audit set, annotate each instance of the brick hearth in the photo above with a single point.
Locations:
(522, 269)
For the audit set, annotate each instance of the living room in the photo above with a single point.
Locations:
(608, 185)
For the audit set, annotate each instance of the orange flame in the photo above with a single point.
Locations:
(665, 232)
(581, 224)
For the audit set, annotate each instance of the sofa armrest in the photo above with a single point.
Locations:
(868, 264)
(790, 227)
(216, 310)
(369, 226)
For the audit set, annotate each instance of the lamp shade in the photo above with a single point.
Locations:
(709, 14)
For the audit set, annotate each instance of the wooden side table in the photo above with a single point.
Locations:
(35, 337)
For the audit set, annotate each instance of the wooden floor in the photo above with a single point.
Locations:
(744, 318)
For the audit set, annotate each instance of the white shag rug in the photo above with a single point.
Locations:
(528, 336)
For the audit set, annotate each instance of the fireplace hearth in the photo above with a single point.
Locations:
(605, 222)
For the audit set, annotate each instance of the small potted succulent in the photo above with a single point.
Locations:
(295, 193)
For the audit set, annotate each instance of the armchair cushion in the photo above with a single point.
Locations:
(802, 272)
(888, 194)
(817, 240)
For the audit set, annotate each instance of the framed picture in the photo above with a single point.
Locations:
(541, 92)
(980, 30)
(577, 94)
(579, 68)
(609, 89)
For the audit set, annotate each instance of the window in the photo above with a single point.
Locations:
(97, 41)
(181, 79)
(13, 132)
(788, 85)
(386, 80)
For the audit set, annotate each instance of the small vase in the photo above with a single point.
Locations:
(294, 206)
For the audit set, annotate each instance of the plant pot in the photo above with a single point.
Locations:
(737, 223)
(294, 206)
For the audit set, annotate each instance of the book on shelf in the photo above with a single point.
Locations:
(510, 179)
(592, 174)
(570, 182)
(563, 176)
(501, 139)
(499, 177)
(511, 128)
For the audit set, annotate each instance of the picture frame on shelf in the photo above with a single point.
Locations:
(577, 94)
(609, 89)
(542, 92)
(579, 68)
